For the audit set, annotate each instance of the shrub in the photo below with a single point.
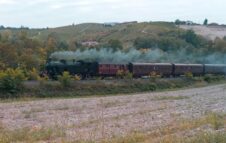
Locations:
(65, 79)
(77, 77)
(122, 74)
(213, 78)
(189, 75)
(115, 44)
(33, 74)
(128, 75)
(154, 75)
(11, 80)
(42, 80)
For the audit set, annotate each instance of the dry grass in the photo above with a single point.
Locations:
(30, 135)
(178, 132)
(137, 118)
(175, 132)
(31, 112)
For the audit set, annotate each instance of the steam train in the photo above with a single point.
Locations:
(90, 69)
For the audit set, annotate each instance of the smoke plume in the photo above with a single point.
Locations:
(105, 55)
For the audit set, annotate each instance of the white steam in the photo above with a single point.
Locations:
(105, 55)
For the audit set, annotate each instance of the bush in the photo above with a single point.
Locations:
(33, 74)
(115, 44)
(128, 75)
(65, 79)
(189, 75)
(213, 78)
(77, 77)
(154, 75)
(11, 80)
(122, 74)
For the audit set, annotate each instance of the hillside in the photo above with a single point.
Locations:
(209, 32)
(127, 33)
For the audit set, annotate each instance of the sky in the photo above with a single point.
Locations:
(56, 13)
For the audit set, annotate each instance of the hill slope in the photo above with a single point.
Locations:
(210, 32)
(127, 33)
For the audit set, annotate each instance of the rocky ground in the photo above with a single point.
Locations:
(102, 117)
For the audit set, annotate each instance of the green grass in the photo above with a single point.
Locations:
(208, 138)
(99, 88)
(170, 98)
(54, 89)
(217, 121)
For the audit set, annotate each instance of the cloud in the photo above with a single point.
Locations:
(7, 2)
(52, 13)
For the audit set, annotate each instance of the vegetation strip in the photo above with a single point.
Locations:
(12, 85)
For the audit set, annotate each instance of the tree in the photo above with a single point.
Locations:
(192, 38)
(146, 43)
(115, 44)
(11, 81)
(205, 22)
(51, 45)
(219, 45)
(179, 22)
(8, 55)
(2, 27)
(63, 46)
(224, 38)
(22, 35)
(6, 35)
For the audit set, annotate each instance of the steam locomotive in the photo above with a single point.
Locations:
(90, 69)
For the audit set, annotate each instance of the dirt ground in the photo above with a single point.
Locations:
(98, 117)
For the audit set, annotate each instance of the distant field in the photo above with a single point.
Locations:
(210, 32)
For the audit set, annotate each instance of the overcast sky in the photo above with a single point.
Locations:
(54, 13)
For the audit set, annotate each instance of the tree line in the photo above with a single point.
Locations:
(18, 50)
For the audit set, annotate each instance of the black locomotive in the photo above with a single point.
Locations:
(89, 69)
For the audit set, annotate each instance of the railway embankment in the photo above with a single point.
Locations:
(98, 87)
